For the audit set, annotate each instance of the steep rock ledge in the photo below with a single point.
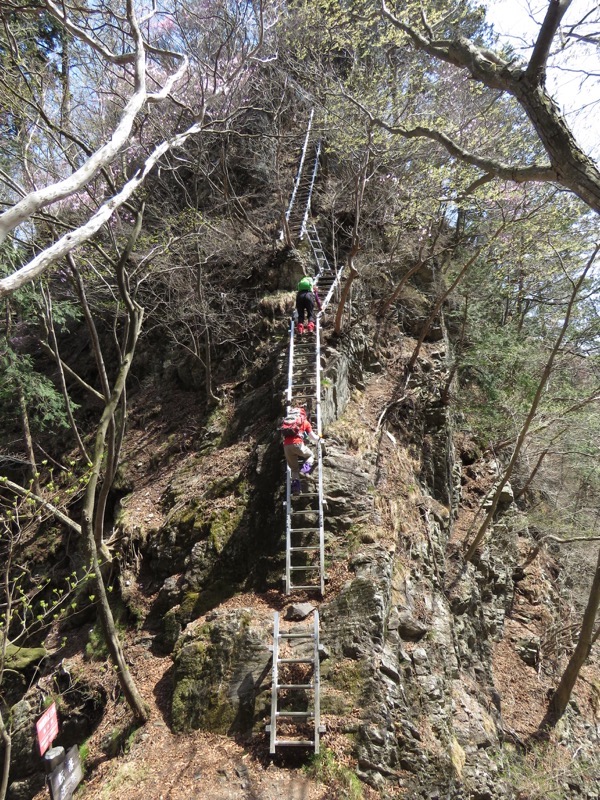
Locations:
(411, 633)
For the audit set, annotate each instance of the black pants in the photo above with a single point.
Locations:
(305, 301)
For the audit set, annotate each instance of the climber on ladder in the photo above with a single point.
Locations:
(306, 299)
(295, 429)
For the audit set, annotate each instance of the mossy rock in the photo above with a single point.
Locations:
(171, 629)
(230, 485)
(217, 668)
(349, 678)
(19, 658)
(223, 524)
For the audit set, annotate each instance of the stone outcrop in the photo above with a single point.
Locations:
(408, 639)
(220, 669)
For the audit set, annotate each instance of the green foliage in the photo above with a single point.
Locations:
(45, 404)
(341, 781)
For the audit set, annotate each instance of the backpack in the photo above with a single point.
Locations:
(306, 284)
(291, 424)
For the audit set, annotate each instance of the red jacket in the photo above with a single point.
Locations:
(306, 427)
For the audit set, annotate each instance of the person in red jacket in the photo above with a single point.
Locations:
(296, 428)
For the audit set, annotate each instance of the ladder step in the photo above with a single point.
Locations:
(294, 742)
(295, 686)
(306, 494)
(305, 635)
(304, 530)
(295, 661)
(306, 586)
(295, 714)
(307, 568)
(304, 549)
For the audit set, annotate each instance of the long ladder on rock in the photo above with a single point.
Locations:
(304, 528)
(295, 688)
(298, 211)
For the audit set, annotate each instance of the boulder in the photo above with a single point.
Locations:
(219, 668)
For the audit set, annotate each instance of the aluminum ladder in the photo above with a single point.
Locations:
(298, 209)
(304, 528)
(295, 688)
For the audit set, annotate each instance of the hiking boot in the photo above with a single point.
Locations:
(307, 467)
(296, 488)
(310, 327)
(300, 329)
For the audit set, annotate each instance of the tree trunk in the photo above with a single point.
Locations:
(345, 294)
(88, 523)
(582, 650)
(111, 637)
(7, 741)
(33, 470)
(93, 512)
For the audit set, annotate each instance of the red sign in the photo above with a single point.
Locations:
(47, 728)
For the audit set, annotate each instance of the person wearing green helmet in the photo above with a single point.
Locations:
(307, 298)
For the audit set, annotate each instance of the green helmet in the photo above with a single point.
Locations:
(306, 284)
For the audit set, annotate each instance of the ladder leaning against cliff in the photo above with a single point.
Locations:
(298, 210)
(305, 537)
(295, 682)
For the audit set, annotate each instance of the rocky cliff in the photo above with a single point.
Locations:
(434, 671)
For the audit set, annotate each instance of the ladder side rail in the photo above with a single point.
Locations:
(332, 289)
(314, 233)
(300, 169)
(317, 246)
(321, 525)
(310, 190)
(320, 458)
(318, 380)
(288, 473)
(274, 684)
(317, 682)
(290, 367)
(288, 531)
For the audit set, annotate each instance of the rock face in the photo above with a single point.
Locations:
(220, 667)
(397, 642)
(408, 639)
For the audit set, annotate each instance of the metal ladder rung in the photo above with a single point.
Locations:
(295, 714)
(307, 568)
(295, 742)
(305, 635)
(304, 530)
(304, 549)
(306, 586)
(295, 661)
(295, 686)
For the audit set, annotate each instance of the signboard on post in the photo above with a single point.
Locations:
(47, 728)
(67, 776)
